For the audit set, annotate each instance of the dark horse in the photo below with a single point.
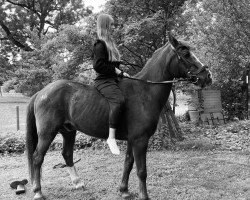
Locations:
(65, 106)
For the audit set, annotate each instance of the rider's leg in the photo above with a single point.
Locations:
(111, 91)
(114, 114)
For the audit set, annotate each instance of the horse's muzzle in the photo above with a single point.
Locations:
(202, 79)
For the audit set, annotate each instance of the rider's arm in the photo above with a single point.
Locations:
(101, 62)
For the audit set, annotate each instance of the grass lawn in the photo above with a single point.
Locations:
(8, 116)
(14, 99)
(175, 175)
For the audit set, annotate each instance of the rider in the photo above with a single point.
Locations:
(106, 62)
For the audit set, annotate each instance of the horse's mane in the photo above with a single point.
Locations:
(153, 68)
(154, 60)
(155, 57)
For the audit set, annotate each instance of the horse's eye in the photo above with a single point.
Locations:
(187, 55)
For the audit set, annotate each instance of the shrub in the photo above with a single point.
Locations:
(9, 85)
(12, 145)
(233, 99)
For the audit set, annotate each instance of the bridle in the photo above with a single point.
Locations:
(192, 75)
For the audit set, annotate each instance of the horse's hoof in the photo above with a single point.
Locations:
(125, 195)
(145, 198)
(79, 186)
(39, 196)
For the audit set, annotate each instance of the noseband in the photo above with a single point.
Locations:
(191, 74)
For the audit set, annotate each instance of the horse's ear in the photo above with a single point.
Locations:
(172, 40)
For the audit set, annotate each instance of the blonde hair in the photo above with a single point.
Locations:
(104, 22)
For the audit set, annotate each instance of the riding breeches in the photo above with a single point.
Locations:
(111, 91)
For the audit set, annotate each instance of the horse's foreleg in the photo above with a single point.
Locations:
(44, 141)
(67, 153)
(140, 150)
(128, 165)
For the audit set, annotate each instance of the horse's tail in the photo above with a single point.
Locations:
(31, 136)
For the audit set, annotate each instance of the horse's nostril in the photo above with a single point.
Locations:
(209, 75)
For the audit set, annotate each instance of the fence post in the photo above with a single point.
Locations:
(17, 118)
(248, 95)
(247, 82)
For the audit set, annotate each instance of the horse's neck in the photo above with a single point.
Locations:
(156, 69)
(155, 95)
(160, 93)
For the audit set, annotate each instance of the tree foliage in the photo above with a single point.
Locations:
(142, 27)
(18, 16)
(5, 69)
(220, 31)
(39, 45)
(56, 57)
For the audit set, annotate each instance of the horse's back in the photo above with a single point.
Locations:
(65, 92)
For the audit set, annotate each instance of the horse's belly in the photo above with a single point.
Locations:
(89, 113)
(90, 116)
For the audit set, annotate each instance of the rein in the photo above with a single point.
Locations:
(160, 82)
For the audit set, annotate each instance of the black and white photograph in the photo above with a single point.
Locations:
(124, 99)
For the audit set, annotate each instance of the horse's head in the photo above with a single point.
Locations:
(184, 64)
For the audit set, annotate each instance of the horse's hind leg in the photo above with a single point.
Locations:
(67, 153)
(128, 165)
(44, 141)
(140, 150)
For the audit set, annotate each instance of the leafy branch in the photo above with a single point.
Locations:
(11, 38)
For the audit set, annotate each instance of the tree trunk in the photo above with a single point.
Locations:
(168, 118)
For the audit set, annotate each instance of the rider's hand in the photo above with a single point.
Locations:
(126, 74)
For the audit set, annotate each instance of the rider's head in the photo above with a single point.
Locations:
(105, 28)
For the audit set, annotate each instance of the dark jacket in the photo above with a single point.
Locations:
(105, 69)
